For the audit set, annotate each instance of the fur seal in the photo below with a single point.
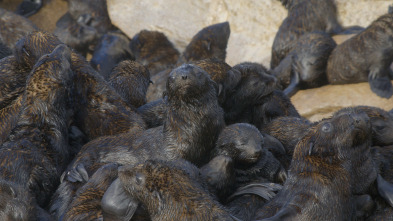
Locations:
(307, 65)
(255, 83)
(303, 16)
(130, 79)
(19, 25)
(111, 50)
(153, 50)
(366, 56)
(37, 149)
(210, 42)
(320, 179)
(155, 184)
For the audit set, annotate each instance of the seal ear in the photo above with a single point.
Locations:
(310, 148)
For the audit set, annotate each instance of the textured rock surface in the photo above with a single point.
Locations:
(253, 22)
(318, 103)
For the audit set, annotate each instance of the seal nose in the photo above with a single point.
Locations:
(184, 76)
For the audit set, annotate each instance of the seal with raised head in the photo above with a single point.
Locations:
(366, 56)
(319, 184)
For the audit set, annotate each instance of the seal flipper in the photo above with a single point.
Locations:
(29, 7)
(264, 190)
(78, 173)
(116, 204)
(385, 189)
(380, 85)
(293, 87)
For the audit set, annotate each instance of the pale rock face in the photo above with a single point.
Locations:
(254, 24)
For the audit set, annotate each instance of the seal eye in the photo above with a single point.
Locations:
(327, 127)
(139, 179)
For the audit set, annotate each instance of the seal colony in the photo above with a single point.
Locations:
(144, 132)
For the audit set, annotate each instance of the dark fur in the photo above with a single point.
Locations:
(180, 137)
(19, 25)
(9, 118)
(289, 131)
(156, 90)
(111, 50)
(307, 68)
(381, 123)
(86, 204)
(4, 50)
(77, 36)
(153, 113)
(192, 103)
(210, 42)
(131, 80)
(12, 80)
(220, 72)
(321, 174)
(156, 184)
(219, 174)
(303, 16)
(84, 24)
(37, 150)
(99, 109)
(242, 142)
(14, 69)
(366, 56)
(255, 83)
(154, 50)
(274, 105)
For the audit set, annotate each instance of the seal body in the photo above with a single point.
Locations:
(366, 56)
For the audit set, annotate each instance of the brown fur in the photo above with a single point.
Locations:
(322, 172)
(9, 118)
(307, 68)
(303, 16)
(37, 150)
(130, 79)
(158, 184)
(220, 72)
(86, 204)
(154, 50)
(210, 42)
(99, 109)
(289, 131)
(381, 123)
(156, 90)
(365, 57)
(12, 80)
(19, 25)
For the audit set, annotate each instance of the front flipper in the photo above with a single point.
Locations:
(385, 189)
(78, 174)
(380, 85)
(264, 190)
(116, 204)
(293, 86)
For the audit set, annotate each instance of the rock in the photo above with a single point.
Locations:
(254, 23)
(318, 103)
